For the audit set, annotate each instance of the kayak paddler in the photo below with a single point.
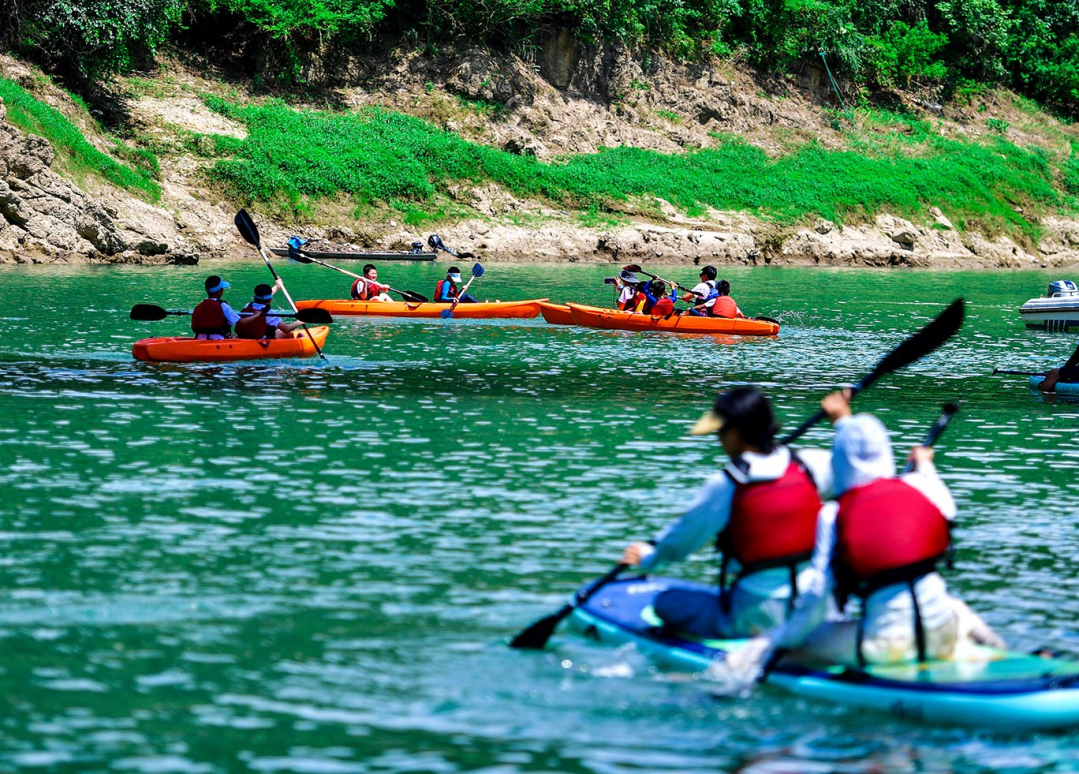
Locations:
(656, 301)
(446, 290)
(879, 541)
(213, 318)
(627, 284)
(1067, 373)
(703, 294)
(724, 305)
(368, 288)
(259, 322)
(761, 512)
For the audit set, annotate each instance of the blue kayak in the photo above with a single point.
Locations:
(1064, 388)
(982, 687)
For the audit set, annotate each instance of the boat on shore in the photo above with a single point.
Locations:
(556, 314)
(613, 319)
(184, 349)
(1058, 310)
(516, 310)
(981, 687)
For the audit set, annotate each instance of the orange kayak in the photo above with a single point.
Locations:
(519, 310)
(612, 319)
(178, 349)
(556, 314)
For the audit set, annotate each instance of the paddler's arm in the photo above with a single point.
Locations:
(819, 462)
(705, 518)
(926, 480)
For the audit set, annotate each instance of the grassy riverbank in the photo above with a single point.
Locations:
(293, 159)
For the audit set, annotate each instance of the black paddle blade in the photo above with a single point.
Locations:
(946, 325)
(296, 255)
(536, 635)
(247, 228)
(414, 298)
(314, 316)
(147, 312)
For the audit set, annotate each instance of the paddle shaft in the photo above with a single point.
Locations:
(936, 430)
(457, 300)
(187, 313)
(403, 293)
(1018, 373)
(536, 635)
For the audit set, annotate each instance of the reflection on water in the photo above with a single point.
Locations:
(308, 566)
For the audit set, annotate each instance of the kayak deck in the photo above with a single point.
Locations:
(613, 319)
(1062, 388)
(517, 310)
(981, 687)
(180, 349)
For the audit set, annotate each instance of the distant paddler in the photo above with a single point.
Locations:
(761, 512)
(368, 288)
(1066, 374)
(447, 290)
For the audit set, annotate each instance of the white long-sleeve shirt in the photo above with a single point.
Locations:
(710, 512)
(889, 611)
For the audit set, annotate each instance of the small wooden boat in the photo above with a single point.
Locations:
(385, 255)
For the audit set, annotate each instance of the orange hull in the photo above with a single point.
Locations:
(556, 314)
(612, 319)
(177, 349)
(517, 310)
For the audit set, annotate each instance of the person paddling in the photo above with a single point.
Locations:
(1067, 373)
(627, 284)
(880, 541)
(703, 294)
(213, 318)
(368, 288)
(656, 302)
(447, 290)
(762, 513)
(259, 322)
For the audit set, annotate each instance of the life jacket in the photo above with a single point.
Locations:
(361, 290)
(887, 532)
(772, 524)
(208, 319)
(638, 303)
(724, 306)
(438, 290)
(253, 325)
(712, 294)
(664, 307)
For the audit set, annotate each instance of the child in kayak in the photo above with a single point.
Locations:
(761, 511)
(879, 541)
(446, 290)
(259, 322)
(656, 301)
(627, 283)
(213, 318)
(368, 288)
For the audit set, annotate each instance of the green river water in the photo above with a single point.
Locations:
(313, 567)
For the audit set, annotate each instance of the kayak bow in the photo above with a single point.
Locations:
(179, 349)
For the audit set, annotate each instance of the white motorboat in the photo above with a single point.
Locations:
(1057, 311)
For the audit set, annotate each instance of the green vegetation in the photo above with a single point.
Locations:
(73, 151)
(292, 158)
(1031, 46)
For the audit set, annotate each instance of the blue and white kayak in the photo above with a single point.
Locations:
(982, 687)
(1063, 388)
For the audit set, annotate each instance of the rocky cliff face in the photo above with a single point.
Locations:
(46, 218)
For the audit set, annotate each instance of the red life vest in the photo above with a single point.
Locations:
(208, 318)
(254, 325)
(724, 306)
(773, 523)
(360, 290)
(662, 308)
(438, 290)
(887, 532)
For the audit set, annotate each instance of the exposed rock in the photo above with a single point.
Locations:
(478, 76)
(824, 226)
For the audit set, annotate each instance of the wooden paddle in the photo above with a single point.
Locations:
(249, 231)
(477, 271)
(920, 344)
(301, 257)
(150, 313)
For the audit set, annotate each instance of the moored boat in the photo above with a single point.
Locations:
(184, 349)
(382, 255)
(1057, 311)
(520, 310)
(556, 314)
(981, 687)
(613, 319)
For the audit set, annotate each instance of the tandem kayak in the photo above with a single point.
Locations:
(981, 687)
(613, 319)
(178, 349)
(1062, 388)
(517, 310)
(556, 314)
